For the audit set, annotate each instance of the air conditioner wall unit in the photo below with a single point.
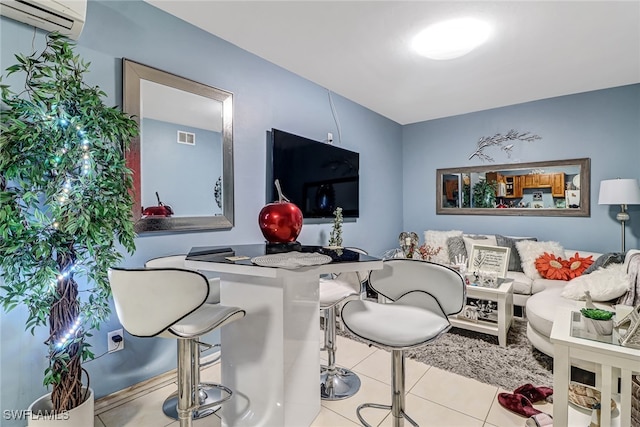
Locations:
(64, 16)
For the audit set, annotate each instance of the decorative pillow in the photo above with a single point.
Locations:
(515, 264)
(604, 284)
(605, 260)
(438, 239)
(552, 267)
(577, 265)
(470, 240)
(530, 250)
(456, 247)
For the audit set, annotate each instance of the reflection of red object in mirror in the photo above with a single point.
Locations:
(280, 222)
(160, 210)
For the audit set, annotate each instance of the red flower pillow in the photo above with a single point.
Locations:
(552, 267)
(577, 265)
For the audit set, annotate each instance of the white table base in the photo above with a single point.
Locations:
(271, 358)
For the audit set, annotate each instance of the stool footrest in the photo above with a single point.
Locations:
(213, 393)
(396, 422)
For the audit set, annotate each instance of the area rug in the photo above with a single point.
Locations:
(479, 356)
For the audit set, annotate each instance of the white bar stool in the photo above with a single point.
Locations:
(171, 303)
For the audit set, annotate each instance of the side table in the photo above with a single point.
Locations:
(610, 358)
(503, 295)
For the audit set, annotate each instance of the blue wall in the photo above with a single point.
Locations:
(603, 125)
(265, 96)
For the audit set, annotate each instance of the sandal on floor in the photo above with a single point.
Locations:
(534, 394)
(540, 420)
(518, 404)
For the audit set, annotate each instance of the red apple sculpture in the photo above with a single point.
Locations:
(281, 221)
(160, 210)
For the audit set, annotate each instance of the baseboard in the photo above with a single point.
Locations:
(125, 395)
(142, 388)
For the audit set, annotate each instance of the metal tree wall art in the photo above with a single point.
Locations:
(499, 140)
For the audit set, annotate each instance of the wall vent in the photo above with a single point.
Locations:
(188, 138)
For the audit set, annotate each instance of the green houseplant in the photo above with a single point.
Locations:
(64, 206)
(484, 194)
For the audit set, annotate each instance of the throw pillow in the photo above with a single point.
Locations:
(605, 260)
(604, 284)
(530, 250)
(577, 265)
(455, 246)
(552, 267)
(515, 263)
(438, 239)
(470, 240)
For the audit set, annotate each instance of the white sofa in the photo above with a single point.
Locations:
(542, 307)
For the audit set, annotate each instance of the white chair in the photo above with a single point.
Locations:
(206, 394)
(421, 295)
(335, 382)
(177, 261)
(171, 303)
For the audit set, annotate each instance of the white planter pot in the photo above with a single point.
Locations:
(41, 413)
(599, 327)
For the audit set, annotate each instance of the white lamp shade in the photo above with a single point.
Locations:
(619, 192)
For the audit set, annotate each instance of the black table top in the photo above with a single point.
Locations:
(226, 254)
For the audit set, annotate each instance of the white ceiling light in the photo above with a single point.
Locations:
(451, 39)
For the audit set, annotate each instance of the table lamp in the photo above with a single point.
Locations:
(621, 192)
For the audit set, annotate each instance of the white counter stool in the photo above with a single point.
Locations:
(422, 295)
(171, 303)
(205, 394)
(338, 383)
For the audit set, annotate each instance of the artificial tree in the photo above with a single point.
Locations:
(64, 206)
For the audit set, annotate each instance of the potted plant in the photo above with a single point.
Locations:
(598, 321)
(64, 205)
(484, 194)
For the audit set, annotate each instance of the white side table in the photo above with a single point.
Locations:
(609, 358)
(503, 295)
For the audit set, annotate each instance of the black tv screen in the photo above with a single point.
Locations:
(316, 176)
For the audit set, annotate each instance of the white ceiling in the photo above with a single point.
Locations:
(360, 49)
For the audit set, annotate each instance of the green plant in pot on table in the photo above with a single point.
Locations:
(598, 321)
(64, 206)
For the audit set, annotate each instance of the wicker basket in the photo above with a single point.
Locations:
(635, 400)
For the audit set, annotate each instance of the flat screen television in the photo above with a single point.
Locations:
(316, 176)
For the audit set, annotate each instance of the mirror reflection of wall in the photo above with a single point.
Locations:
(181, 158)
(167, 165)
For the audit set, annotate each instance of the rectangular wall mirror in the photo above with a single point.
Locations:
(182, 160)
(553, 188)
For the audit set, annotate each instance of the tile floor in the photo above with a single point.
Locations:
(435, 397)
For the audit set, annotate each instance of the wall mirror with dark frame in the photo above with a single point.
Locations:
(553, 188)
(182, 160)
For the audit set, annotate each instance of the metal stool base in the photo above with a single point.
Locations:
(213, 393)
(396, 422)
(340, 384)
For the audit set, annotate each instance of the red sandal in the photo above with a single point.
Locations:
(518, 404)
(534, 394)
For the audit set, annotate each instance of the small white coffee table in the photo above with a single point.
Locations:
(612, 360)
(503, 295)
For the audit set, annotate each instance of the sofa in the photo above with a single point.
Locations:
(542, 307)
(540, 298)
(524, 285)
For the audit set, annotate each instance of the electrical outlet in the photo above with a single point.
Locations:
(113, 345)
